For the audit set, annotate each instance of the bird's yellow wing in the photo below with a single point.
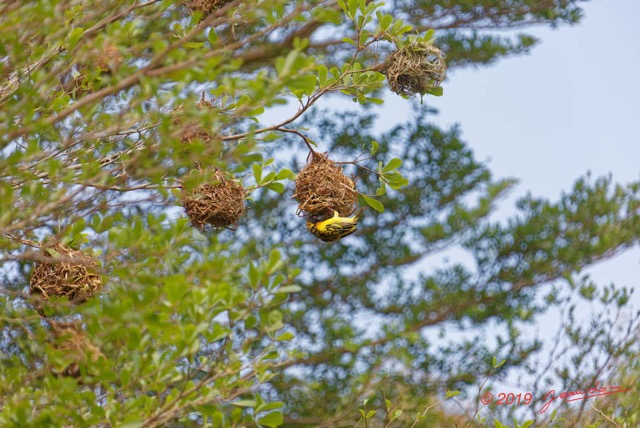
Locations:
(340, 225)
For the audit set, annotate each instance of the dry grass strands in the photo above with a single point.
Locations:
(108, 59)
(415, 69)
(90, 72)
(69, 274)
(205, 6)
(199, 145)
(322, 187)
(215, 205)
(72, 340)
(192, 130)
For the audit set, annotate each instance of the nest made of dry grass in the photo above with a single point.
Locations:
(73, 340)
(108, 58)
(218, 204)
(322, 187)
(70, 273)
(205, 6)
(415, 69)
(191, 130)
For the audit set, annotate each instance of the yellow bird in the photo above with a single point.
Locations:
(333, 228)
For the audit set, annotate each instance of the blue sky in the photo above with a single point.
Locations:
(547, 118)
(569, 107)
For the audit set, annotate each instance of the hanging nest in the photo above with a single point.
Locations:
(190, 131)
(322, 187)
(70, 273)
(108, 59)
(415, 69)
(72, 340)
(205, 6)
(89, 73)
(198, 144)
(217, 205)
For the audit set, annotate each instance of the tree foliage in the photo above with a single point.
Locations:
(111, 110)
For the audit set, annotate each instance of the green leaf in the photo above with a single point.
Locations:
(132, 425)
(352, 8)
(374, 147)
(328, 15)
(273, 419)
(384, 21)
(74, 37)
(364, 35)
(289, 289)
(213, 37)
(274, 321)
(271, 406)
(285, 337)
(303, 85)
(285, 174)
(394, 163)
(254, 276)
(174, 289)
(428, 35)
(288, 64)
(378, 101)
(275, 186)
(245, 403)
(438, 91)
(395, 180)
(322, 75)
(257, 172)
(451, 394)
(336, 72)
(269, 177)
(396, 415)
(275, 261)
(373, 203)
(193, 45)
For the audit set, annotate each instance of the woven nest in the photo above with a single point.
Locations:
(192, 130)
(84, 80)
(322, 187)
(71, 274)
(205, 6)
(215, 205)
(73, 341)
(108, 58)
(415, 69)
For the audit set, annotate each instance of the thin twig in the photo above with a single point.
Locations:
(605, 416)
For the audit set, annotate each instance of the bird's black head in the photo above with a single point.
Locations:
(317, 218)
(313, 218)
